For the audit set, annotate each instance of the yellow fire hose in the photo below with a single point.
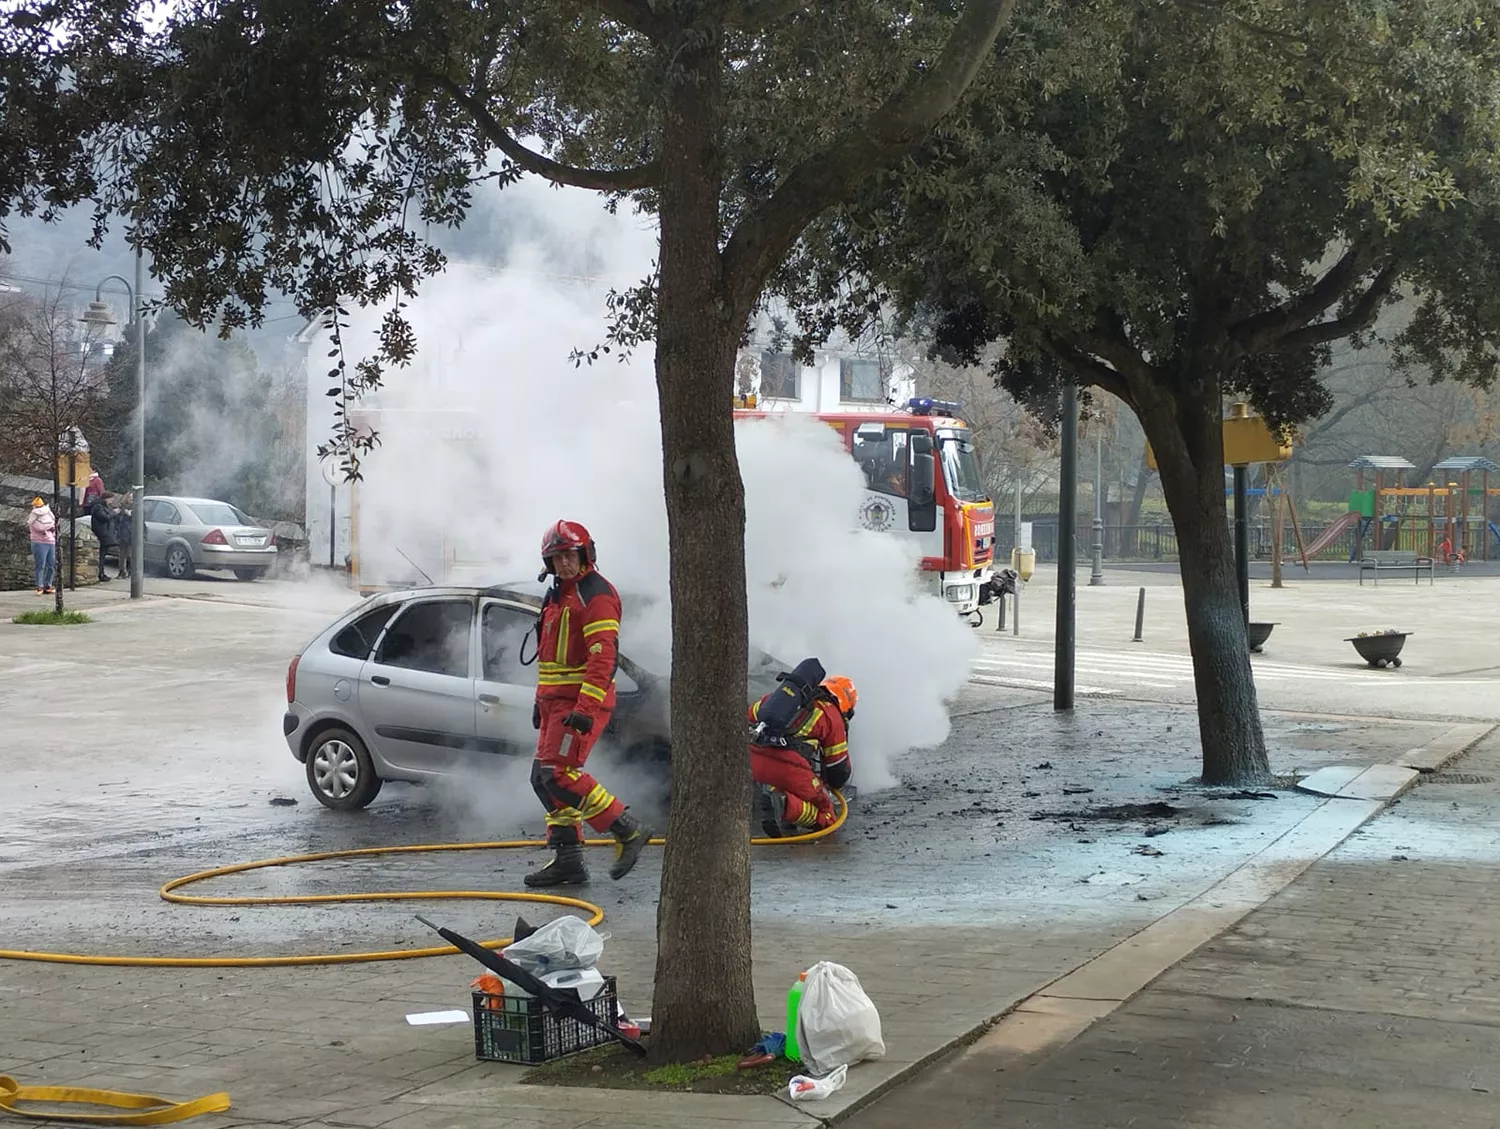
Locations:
(160, 1111)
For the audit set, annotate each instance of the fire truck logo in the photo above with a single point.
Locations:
(877, 514)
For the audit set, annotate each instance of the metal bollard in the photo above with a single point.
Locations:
(1140, 615)
(1000, 613)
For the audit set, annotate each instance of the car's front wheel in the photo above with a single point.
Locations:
(179, 563)
(340, 772)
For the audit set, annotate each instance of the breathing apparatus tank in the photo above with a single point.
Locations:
(797, 689)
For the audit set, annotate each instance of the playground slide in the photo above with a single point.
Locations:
(1330, 535)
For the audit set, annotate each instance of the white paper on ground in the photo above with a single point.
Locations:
(423, 1018)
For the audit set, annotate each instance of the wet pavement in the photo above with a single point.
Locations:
(148, 745)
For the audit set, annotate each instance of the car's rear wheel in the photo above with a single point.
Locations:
(179, 563)
(340, 772)
(249, 573)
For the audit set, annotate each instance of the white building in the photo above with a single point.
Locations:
(844, 377)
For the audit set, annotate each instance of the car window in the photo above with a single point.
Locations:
(508, 633)
(358, 639)
(882, 457)
(166, 514)
(219, 513)
(432, 635)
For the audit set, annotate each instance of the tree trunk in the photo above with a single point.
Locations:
(1188, 440)
(705, 999)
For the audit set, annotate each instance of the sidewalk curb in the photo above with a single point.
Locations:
(1046, 1021)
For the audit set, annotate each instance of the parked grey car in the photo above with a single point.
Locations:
(186, 534)
(432, 682)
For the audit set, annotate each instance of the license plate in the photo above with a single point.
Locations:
(247, 541)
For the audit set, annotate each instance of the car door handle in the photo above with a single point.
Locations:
(380, 680)
(489, 699)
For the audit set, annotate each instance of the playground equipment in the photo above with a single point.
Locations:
(1383, 528)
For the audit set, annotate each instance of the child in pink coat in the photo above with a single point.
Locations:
(41, 525)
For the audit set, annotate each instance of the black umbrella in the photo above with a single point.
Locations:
(558, 1002)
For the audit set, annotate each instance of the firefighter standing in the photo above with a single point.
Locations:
(575, 694)
(795, 775)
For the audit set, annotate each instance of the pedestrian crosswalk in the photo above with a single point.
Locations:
(1110, 673)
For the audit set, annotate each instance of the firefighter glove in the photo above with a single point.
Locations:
(578, 722)
(536, 715)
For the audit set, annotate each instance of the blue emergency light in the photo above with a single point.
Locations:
(926, 406)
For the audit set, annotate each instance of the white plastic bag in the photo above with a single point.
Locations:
(568, 942)
(837, 1025)
(587, 982)
(805, 1089)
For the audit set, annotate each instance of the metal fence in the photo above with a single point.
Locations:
(1157, 541)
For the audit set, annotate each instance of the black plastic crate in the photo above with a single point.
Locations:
(520, 1029)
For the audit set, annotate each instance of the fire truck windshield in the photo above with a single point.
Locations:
(961, 466)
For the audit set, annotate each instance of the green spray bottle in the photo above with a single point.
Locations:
(793, 1005)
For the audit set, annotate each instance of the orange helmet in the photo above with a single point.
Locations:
(562, 536)
(842, 691)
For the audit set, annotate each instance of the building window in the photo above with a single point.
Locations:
(862, 380)
(779, 377)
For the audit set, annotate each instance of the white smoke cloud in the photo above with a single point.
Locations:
(493, 434)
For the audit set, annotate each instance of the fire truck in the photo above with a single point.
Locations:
(922, 483)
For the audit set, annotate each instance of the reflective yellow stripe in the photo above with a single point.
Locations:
(755, 712)
(807, 726)
(834, 750)
(597, 802)
(564, 817)
(559, 668)
(562, 637)
(560, 679)
(600, 625)
(592, 691)
(808, 816)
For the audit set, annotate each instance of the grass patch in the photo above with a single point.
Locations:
(615, 1068)
(51, 617)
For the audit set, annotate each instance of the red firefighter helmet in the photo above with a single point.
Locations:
(564, 535)
(842, 691)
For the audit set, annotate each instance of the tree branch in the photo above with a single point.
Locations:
(755, 15)
(1361, 316)
(1092, 369)
(634, 14)
(762, 239)
(1260, 332)
(600, 180)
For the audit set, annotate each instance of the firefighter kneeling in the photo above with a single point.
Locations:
(799, 749)
(575, 694)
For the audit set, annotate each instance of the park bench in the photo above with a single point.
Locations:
(1383, 560)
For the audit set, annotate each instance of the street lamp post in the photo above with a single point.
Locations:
(98, 314)
(1096, 573)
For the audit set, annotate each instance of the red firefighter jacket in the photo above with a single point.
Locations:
(579, 640)
(823, 729)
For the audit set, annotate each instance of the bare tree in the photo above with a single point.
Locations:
(50, 389)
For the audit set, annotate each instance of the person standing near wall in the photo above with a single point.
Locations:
(41, 526)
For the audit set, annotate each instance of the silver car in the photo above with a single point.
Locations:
(184, 535)
(433, 682)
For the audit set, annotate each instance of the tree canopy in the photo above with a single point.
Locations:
(1176, 202)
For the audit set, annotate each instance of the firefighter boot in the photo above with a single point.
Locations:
(565, 869)
(771, 807)
(630, 840)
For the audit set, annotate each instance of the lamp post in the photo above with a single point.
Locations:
(98, 314)
(1096, 573)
